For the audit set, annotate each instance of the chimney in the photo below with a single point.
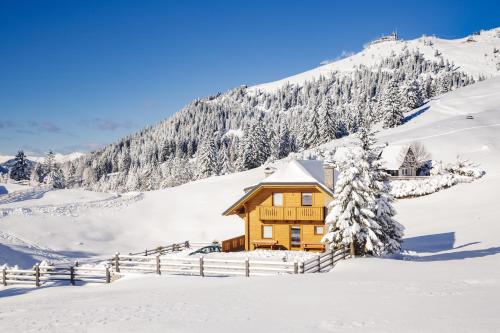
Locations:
(269, 171)
(329, 172)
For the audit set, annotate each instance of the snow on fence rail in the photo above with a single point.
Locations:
(40, 274)
(206, 266)
(165, 249)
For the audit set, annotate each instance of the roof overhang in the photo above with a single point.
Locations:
(233, 209)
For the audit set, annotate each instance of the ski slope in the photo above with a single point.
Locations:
(472, 57)
(447, 280)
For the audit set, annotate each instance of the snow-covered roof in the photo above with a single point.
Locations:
(295, 172)
(298, 171)
(391, 156)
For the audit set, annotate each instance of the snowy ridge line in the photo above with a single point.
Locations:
(71, 209)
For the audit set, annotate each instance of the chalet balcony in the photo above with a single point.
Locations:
(272, 213)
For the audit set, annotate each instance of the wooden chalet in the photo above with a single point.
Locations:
(287, 209)
(399, 161)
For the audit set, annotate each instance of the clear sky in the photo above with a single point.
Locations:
(78, 74)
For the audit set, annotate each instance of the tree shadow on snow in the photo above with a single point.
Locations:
(435, 243)
(415, 114)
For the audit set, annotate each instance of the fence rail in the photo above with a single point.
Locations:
(40, 274)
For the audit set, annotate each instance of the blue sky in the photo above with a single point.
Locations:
(75, 75)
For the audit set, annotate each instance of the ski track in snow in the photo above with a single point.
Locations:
(444, 134)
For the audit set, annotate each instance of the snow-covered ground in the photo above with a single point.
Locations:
(447, 280)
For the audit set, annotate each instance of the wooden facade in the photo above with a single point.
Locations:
(293, 223)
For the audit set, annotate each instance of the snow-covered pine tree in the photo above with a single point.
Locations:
(311, 135)
(411, 95)
(53, 174)
(254, 147)
(20, 170)
(392, 112)
(206, 159)
(390, 232)
(351, 218)
(327, 125)
(224, 160)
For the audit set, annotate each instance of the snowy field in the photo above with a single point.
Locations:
(447, 280)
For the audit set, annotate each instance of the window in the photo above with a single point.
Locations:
(319, 230)
(278, 199)
(267, 231)
(307, 199)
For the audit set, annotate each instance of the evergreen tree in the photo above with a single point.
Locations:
(207, 158)
(225, 166)
(254, 147)
(52, 173)
(390, 232)
(411, 95)
(20, 170)
(311, 135)
(351, 221)
(392, 112)
(327, 126)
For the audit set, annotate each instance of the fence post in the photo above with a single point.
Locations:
(332, 252)
(108, 275)
(158, 265)
(345, 251)
(319, 263)
(201, 267)
(302, 267)
(247, 267)
(4, 276)
(37, 275)
(117, 262)
(72, 275)
(295, 267)
(146, 252)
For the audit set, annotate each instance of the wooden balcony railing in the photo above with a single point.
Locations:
(291, 213)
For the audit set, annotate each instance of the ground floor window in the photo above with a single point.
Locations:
(319, 230)
(295, 237)
(267, 231)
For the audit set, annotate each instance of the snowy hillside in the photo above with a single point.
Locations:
(273, 120)
(448, 274)
(473, 54)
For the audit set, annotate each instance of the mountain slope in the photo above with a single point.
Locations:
(473, 54)
(199, 140)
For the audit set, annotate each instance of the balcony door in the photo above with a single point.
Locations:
(295, 237)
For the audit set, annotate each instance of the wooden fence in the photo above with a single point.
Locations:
(40, 274)
(207, 266)
(159, 263)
